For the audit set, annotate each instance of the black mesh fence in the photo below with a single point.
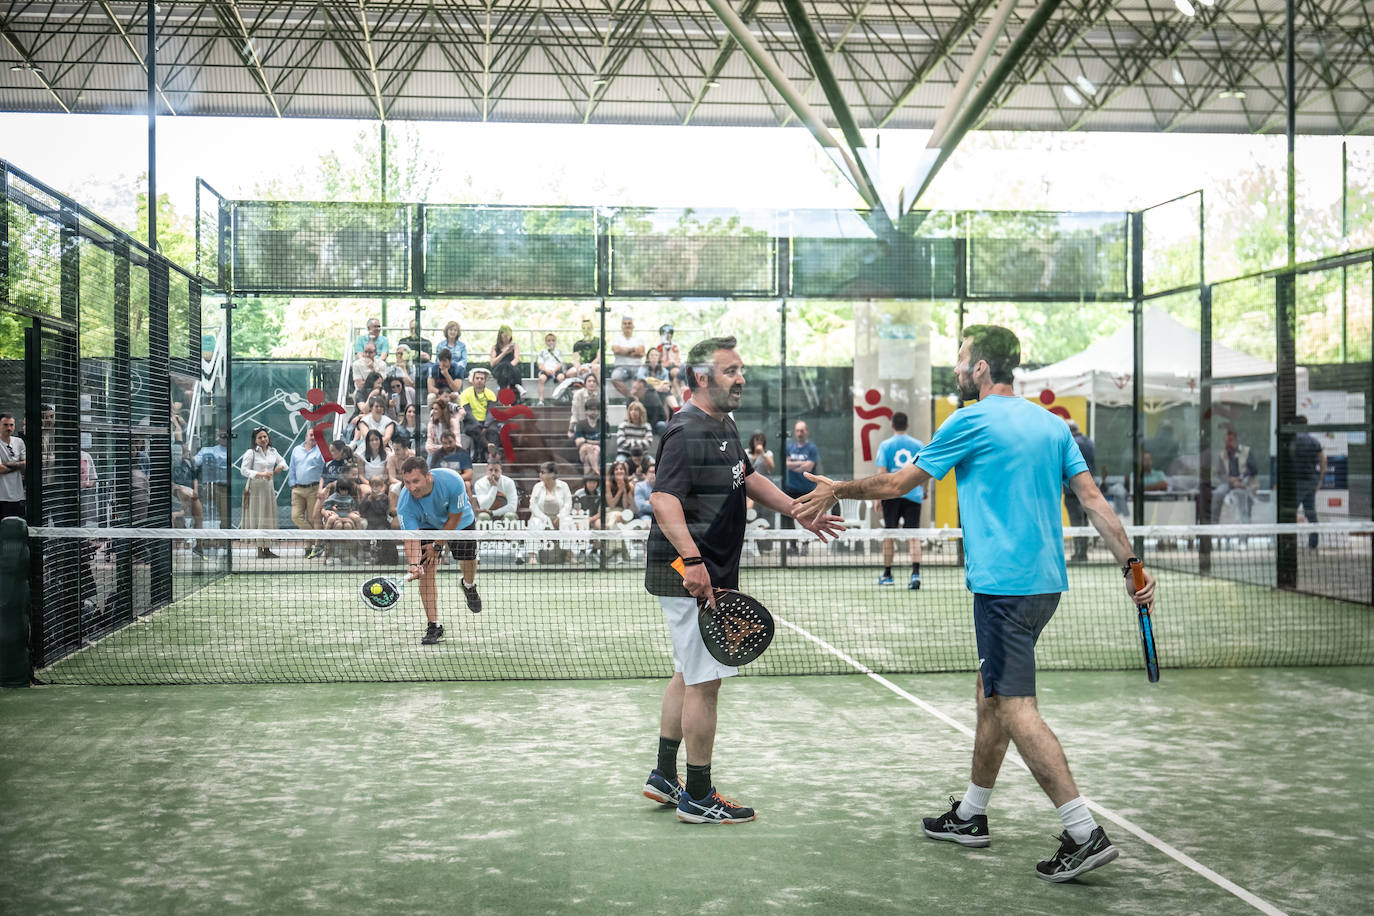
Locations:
(1031, 255)
(509, 251)
(286, 246)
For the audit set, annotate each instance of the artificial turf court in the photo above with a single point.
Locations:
(524, 797)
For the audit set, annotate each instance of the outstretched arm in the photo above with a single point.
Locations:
(879, 486)
(1109, 526)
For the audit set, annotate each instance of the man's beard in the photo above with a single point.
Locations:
(721, 396)
(967, 392)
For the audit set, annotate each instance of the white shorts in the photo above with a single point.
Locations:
(690, 657)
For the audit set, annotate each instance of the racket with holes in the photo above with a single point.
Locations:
(737, 630)
(383, 594)
(1147, 627)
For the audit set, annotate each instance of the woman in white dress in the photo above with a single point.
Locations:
(259, 465)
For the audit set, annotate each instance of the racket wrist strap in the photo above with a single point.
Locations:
(692, 561)
(1126, 570)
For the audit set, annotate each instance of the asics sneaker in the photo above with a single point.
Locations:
(713, 809)
(433, 633)
(886, 580)
(950, 826)
(1073, 859)
(663, 790)
(914, 583)
(474, 600)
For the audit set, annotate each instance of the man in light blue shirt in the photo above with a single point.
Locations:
(375, 337)
(303, 474)
(436, 499)
(894, 454)
(1012, 458)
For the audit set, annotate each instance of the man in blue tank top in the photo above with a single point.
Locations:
(1012, 459)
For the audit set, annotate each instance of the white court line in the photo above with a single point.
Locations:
(1120, 820)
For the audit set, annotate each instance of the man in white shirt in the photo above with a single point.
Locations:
(13, 461)
(364, 365)
(629, 355)
(495, 493)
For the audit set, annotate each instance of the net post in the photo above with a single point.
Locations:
(782, 408)
(601, 309)
(15, 662)
(227, 519)
(1204, 496)
(1138, 365)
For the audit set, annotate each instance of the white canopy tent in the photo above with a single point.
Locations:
(1173, 372)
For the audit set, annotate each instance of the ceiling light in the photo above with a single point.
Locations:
(1231, 94)
(599, 81)
(1185, 7)
(713, 84)
(1072, 95)
(1177, 75)
(1086, 85)
(23, 66)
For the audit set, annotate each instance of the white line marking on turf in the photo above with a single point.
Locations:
(1120, 820)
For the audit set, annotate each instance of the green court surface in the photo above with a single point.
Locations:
(582, 623)
(506, 797)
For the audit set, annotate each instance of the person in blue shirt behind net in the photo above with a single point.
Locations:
(437, 500)
(1011, 458)
(894, 454)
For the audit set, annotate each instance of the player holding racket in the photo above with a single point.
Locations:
(699, 508)
(437, 499)
(1011, 458)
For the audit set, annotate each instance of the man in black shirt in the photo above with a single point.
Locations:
(655, 414)
(1309, 468)
(699, 508)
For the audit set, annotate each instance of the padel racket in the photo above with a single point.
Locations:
(1147, 628)
(737, 630)
(383, 594)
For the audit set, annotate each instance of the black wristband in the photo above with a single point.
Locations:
(1126, 570)
(692, 561)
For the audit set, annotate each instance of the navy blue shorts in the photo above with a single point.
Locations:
(1007, 627)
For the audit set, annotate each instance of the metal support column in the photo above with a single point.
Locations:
(1291, 105)
(1285, 494)
(782, 409)
(152, 125)
(1138, 369)
(1204, 433)
(227, 519)
(120, 603)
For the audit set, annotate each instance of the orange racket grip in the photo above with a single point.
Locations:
(1137, 574)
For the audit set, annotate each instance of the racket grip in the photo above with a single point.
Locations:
(1137, 574)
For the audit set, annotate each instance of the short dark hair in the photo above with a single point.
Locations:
(6, 416)
(345, 486)
(445, 353)
(414, 463)
(998, 347)
(548, 467)
(1298, 420)
(899, 421)
(699, 357)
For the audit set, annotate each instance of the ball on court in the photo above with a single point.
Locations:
(376, 588)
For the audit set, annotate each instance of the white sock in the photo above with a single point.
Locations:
(975, 801)
(1078, 820)
(467, 584)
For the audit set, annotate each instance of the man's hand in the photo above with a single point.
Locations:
(1146, 596)
(697, 581)
(814, 504)
(826, 527)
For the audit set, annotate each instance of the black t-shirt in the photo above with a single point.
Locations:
(588, 501)
(701, 462)
(586, 349)
(1307, 454)
(653, 407)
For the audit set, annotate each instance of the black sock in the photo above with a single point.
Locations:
(887, 571)
(698, 780)
(667, 757)
(916, 568)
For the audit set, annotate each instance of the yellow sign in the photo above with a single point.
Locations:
(946, 501)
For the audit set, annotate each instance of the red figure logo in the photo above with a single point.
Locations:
(872, 412)
(1047, 398)
(509, 412)
(321, 410)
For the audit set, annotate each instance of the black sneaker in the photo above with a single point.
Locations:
(1073, 859)
(713, 809)
(950, 826)
(433, 634)
(474, 599)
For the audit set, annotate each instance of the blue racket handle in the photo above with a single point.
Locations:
(1147, 629)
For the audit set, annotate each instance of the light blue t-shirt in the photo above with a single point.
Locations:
(1012, 459)
(895, 454)
(449, 496)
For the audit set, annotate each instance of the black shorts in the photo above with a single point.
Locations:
(461, 550)
(901, 513)
(1007, 627)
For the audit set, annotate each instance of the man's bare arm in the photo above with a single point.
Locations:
(1100, 513)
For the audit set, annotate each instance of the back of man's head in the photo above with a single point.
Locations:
(998, 346)
(702, 356)
(899, 422)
